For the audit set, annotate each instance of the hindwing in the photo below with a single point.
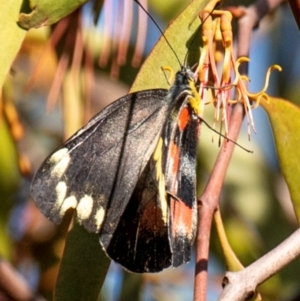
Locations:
(158, 226)
(141, 240)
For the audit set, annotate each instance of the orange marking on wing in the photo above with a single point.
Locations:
(182, 218)
(181, 215)
(174, 155)
(183, 118)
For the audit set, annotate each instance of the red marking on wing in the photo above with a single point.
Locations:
(183, 118)
(181, 214)
(182, 218)
(152, 218)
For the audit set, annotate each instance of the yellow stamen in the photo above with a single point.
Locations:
(218, 23)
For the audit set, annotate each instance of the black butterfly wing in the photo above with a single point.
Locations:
(97, 169)
(141, 241)
(158, 226)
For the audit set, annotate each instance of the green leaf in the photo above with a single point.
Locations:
(47, 12)
(9, 170)
(10, 180)
(285, 121)
(184, 36)
(83, 267)
(11, 34)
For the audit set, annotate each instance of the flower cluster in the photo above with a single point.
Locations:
(231, 86)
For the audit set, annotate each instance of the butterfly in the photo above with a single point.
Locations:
(130, 173)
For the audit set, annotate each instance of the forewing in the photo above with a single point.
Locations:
(96, 170)
(180, 178)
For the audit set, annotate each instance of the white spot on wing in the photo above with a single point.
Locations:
(188, 168)
(69, 202)
(61, 159)
(61, 191)
(57, 156)
(99, 217)
(84, 208)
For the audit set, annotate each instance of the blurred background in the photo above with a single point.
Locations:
(66, 73)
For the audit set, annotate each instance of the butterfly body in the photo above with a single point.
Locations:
(131, 175)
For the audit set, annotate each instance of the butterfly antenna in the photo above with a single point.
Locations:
(156, 24)
(225, 137)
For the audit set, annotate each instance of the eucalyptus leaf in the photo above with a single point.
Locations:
(184, 36)
(284, 118)
(83, 267)
(47, 12)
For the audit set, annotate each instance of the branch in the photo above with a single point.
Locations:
(209, 202)
(242, 285)
(248, 19)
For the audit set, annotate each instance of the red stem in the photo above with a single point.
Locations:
(248, 19)
(209, 202)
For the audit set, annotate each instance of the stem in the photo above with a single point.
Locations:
(209, 201)
(241, 284)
